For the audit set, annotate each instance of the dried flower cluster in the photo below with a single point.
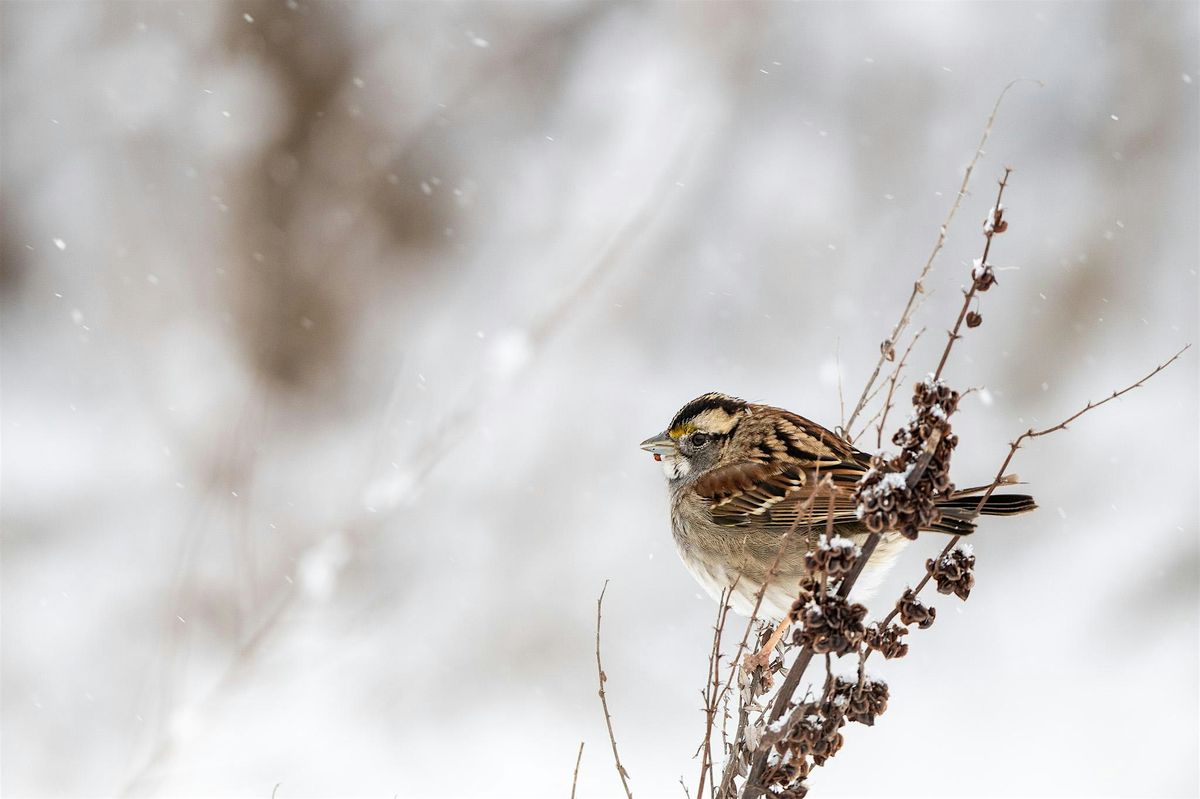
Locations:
(954, 573)
(830, 624)
(914, 611)
(835, 558)
(862, 702)
(807, 737)
(901, 493)
(887, 640)
(811, 733)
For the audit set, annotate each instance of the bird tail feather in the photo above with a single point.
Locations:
(958, 514)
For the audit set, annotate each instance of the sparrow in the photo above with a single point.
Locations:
(739, 475)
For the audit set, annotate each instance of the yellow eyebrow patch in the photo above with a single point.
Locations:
(681, 430)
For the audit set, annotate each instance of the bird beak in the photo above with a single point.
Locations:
(659, 445)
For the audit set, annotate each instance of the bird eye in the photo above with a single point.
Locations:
(699, 439)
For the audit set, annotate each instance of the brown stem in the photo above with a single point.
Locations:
(712, 692)
(575, 778)
(604, 701)
(887, 403)
(970, 294)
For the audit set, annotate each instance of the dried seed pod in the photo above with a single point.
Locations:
(913, 611)
(835, 558)
(805, 737)
(782, 773)
(809, 587)
(974, 319)
(954, 572)
(862, 703)
(984, 276)
(886, 640)
(831, 625)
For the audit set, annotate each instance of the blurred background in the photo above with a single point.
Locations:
(330, 331)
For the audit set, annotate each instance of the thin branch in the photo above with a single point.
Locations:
(604, 700)
(888, 346)
(887, 403)
(969, 295)
(999, 479)
(837, 360)
(712, 692)
(575, 778)
(875, 393)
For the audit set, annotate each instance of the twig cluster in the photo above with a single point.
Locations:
(898, 495)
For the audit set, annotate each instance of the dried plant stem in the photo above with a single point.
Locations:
(712, 693)
(969, 295)
(883, 412)
(837, 359)
(575, 777)
(726, 789)
(1063, 424)
(918, 288)
(604, 700)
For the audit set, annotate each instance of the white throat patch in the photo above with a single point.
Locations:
(675, 466)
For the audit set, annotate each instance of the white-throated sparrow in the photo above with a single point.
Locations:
(739, 474)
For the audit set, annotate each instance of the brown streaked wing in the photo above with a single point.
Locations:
(845, 477)
(747, 494)
(744, 493)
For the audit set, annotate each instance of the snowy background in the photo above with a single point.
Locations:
(329, 333)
